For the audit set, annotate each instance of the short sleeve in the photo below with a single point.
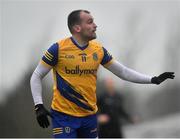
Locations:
(50, 57)
(107, 57)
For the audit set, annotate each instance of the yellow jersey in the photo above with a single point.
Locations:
(75, 74)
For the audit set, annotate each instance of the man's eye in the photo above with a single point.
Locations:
(90, 21)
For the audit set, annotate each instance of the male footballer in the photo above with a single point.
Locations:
(75, 61)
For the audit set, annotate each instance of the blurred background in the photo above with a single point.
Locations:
(143, 35)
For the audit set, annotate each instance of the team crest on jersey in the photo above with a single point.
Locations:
(95, 56)
(67, 129)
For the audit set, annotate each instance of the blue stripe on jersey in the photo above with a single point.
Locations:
(51, 55)
(106, 58)
(80, 47)
(70, 94)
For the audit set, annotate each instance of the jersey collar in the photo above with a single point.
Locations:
(76, 43)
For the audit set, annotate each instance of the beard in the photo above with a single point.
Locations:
(91, 37)
(88, 35)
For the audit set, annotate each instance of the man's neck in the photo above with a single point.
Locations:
(80, 41)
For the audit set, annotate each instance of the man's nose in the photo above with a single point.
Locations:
(95, 25)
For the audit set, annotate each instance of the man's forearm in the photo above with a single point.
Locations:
(36, 88)
(128, 74)
(36, 83)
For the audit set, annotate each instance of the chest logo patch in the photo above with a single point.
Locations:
(95, 56)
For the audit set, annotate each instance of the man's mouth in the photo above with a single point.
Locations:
(94, 31)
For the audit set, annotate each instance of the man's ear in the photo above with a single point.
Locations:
(77, 28)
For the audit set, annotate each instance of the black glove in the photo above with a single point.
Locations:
(41, 115)
(162, 77)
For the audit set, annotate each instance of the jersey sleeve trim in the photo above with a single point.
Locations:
(50, 57)
(106, 58)
(109, 63)
(45, 64)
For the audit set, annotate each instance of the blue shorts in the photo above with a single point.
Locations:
(66, 126)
